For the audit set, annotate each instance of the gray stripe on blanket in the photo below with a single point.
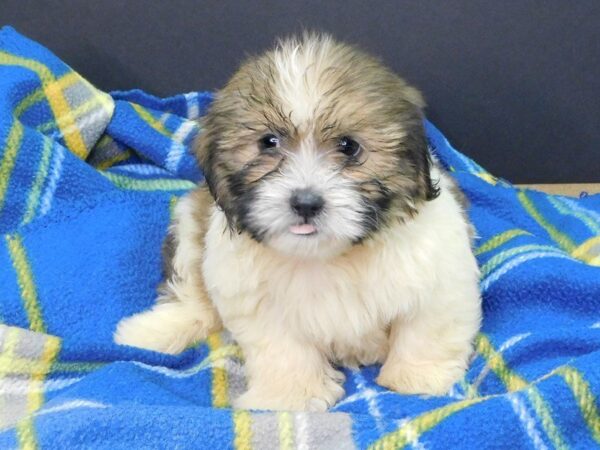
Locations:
(20, 350)
(265, 431)
(310, 431)
(91, 123)
(327, 431)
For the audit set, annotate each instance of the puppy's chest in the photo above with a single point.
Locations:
(322, 303)
(337, 305)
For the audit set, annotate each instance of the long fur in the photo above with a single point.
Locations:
(389, 275)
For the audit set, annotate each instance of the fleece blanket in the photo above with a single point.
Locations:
(87, 184)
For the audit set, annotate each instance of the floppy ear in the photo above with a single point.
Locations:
(430, 186)
(216, 172)
(418, 153)
(201, 149)
(416, 144)
(414, 97)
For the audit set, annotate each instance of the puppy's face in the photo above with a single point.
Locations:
(313, 147)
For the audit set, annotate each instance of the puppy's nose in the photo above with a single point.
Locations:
(306, 203)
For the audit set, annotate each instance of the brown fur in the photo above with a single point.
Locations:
(203, 203)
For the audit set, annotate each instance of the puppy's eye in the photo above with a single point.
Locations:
(268, 141)
(349, 146)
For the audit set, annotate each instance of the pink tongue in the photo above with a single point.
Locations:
(306, 228)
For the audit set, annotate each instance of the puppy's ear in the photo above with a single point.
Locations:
(418, 152)
(416, 145)
(215, 170)
(414, 97)
(430, 186)
(205, 150)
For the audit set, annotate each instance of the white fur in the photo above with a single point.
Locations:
(338, 225)
(292, 315)
(299, 67)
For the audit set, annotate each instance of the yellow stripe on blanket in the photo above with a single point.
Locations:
(585, 398)
(242, 426)
(30, 100)
(9, 158)
(56, 99)
(514, 382)
(560, 238)
(286, 431)
(583, 251)
(416, 427)
(151, 121)
(25, 282)
(99, 99)
(220, 382)
(500, 239)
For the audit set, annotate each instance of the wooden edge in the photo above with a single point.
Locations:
(569, 189)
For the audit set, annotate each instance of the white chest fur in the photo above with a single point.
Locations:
(344, 305)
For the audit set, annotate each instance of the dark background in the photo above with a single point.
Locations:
(514, 84)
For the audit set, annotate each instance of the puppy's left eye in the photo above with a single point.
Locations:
(268, 141)
(349, 146)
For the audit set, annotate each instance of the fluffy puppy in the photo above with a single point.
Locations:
(324, 235)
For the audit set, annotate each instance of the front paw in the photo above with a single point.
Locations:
(315, 396)
(431, 377)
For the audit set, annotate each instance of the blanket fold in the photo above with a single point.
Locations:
(87, 184)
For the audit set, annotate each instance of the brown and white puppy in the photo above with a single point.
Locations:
(324, 234)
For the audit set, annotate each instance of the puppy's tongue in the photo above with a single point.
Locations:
(305, 228)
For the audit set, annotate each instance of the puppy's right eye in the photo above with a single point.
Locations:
(268, 141)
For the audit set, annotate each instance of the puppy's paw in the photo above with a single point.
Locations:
(317, 396)
(431, 378)
(166, 328)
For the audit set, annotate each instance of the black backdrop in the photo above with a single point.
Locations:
(514, 84)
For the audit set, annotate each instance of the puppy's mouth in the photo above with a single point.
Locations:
(305, 229)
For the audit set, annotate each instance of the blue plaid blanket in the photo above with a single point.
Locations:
(87, 183)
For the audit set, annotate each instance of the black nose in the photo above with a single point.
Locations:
(306, 203)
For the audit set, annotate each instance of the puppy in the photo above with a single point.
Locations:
(324, 235)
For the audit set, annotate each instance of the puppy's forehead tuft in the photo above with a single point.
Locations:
(317, 84)
(304, 75)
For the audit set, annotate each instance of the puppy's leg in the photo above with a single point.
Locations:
(286, 375)
(183, 313)
(172, 325)
(430, 352)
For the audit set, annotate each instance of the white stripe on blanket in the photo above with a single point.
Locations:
(507, 267)
(24, 387)
(193, 111)
(301, 431)
(173, 373)
(141, 169)
(177, 149)
(74, 404)
(528, 422)
(57, 161)
(573, 205)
